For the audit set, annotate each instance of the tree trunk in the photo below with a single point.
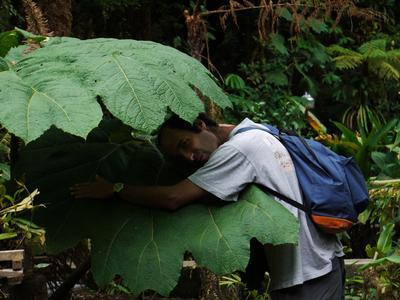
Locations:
(59, 16)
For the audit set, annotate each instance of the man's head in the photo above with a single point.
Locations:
(194, 143)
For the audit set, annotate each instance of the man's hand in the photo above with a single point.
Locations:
(98, 189)
(166, 197)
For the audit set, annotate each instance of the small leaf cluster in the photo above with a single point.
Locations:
(13, 225)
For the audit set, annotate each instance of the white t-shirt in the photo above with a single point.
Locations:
(257, 156)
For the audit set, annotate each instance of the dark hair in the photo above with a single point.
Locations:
(176, 122)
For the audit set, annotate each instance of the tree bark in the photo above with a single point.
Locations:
(59, 16)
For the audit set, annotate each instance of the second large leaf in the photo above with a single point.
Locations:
(144, 246)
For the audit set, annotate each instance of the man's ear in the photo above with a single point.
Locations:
(199, 124)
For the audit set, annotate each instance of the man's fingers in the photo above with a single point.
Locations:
(82, 184)
(97, 189)
(80, 191)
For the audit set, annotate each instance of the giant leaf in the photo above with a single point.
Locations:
(61, 84)
(144, 246)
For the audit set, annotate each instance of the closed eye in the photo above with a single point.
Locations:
(183, 144)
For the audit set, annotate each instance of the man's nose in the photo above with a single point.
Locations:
(187, 155)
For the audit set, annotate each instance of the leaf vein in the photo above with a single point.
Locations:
(112, 243)
(135, 97)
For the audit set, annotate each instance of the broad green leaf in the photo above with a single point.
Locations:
(277, 77)
(318, 26)
(30, 36)
(3, 65)
(319, 54)
(16, 54)
(139, 82)
(384, 244)
(388, 163)
(375, 137)
(33, 103)
(285, 13)
(394, 259)
(8, 40)
(278, 43)
(348, 134)
(144, 246)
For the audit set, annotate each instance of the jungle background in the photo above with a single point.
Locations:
(329, 70)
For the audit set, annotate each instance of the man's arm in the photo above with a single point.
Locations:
(166, 197)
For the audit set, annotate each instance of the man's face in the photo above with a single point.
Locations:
(193, 147)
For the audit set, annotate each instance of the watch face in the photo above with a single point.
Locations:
(118, 186)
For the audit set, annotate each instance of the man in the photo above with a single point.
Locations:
(228, 162)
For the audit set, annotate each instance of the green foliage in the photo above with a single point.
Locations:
(371, 74)
(361, 144)
(12, 225)
(234, 281)
(8, 10)
(116, 289)
(14, 38)
(8, 40)
(388, 164)
(385, 203)
(380, 277)
(138, 82)
(385, 263)
(4, 156)
(383, 62)
(267, 94)
(144, 246)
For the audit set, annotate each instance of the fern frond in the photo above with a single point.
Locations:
(375, 54)
(388, 71)
(336, 49)
(370, 46)
(393, 55)
(345, 62)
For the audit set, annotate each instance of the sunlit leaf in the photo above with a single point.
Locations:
(62, 83)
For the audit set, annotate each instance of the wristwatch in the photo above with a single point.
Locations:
(117, 187)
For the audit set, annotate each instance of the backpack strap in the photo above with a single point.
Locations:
(265, 188)
(288, 200)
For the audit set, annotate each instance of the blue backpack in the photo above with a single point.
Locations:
(333, 186)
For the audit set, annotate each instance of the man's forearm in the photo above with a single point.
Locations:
(167, 197)
(150, 196)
